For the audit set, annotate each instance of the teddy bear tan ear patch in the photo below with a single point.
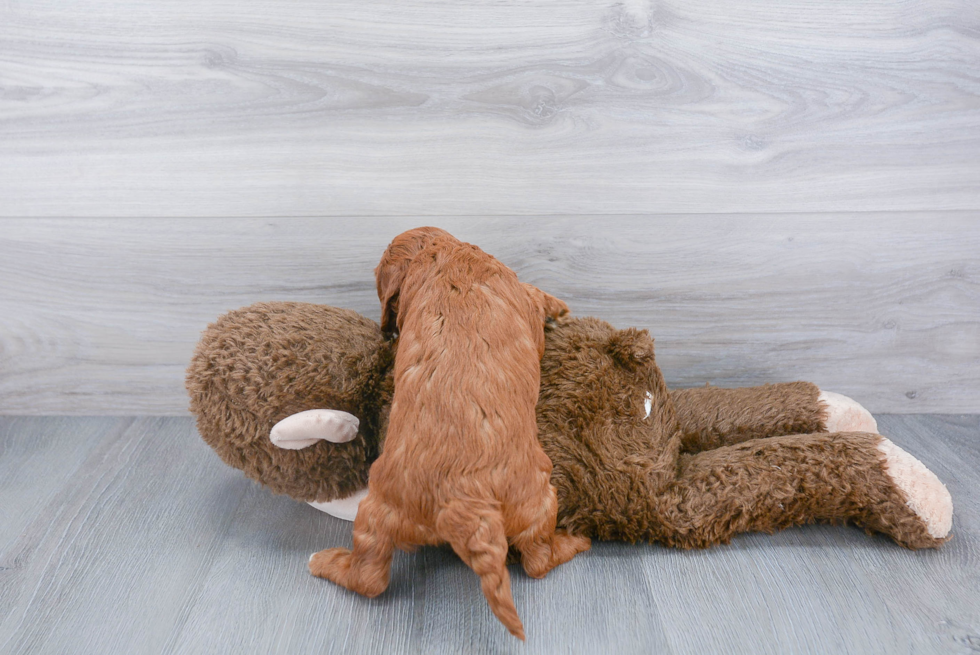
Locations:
(631, 347)
(304, 429)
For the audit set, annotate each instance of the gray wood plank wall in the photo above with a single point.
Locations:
(255, 108)
(778, 191)
(100, 316)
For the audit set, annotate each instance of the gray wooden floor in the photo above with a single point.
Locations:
(127, 535)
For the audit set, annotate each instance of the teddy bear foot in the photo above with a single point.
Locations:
(845, 414)
(342, 508)
(925, 494)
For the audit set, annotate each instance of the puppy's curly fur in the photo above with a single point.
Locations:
(462, 463)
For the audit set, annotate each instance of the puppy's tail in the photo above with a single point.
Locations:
(476, 532)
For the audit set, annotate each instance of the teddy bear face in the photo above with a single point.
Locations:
(605, 418)
(257, 365)
(610, 375)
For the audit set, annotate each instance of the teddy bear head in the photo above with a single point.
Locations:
(607, 422)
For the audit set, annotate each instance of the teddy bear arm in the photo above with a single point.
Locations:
(770, 484)
(712, 417)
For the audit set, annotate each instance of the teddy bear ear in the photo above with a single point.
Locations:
(631, 347)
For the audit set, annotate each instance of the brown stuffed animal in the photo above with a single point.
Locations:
(632, 460)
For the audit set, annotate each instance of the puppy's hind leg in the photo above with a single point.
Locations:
(476, 533)
(366, 569)
(542, 547)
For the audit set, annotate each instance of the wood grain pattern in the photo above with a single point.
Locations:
(296, 108)
(110, 560)
(26, 447)
(949, 625)
(142, 541)
(100, 317)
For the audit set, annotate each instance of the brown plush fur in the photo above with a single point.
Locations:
(711, 417)
(622, 476)
(462, 463)
(702, 468)
(259, 364)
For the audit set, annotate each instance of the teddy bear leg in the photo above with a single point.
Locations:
(770, 484)
(925, 494)
(843, 414)
(712, 417)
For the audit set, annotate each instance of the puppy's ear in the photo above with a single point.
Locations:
(389, 276)
(390, 273)
(550, 306)
(632, 348)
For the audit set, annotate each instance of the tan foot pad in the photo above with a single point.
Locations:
(926, 495)
(845, 414)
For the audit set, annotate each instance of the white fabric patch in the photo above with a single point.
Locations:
(648, 404)
(845, 414)
(342, 508)
(306, 428)
(926, 495)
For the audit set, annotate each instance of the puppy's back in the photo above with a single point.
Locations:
(466, 373)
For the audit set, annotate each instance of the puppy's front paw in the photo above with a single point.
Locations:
(331, 564)
(845, 414)
(580, 544)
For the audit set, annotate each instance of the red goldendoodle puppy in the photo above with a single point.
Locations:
(461, 461)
